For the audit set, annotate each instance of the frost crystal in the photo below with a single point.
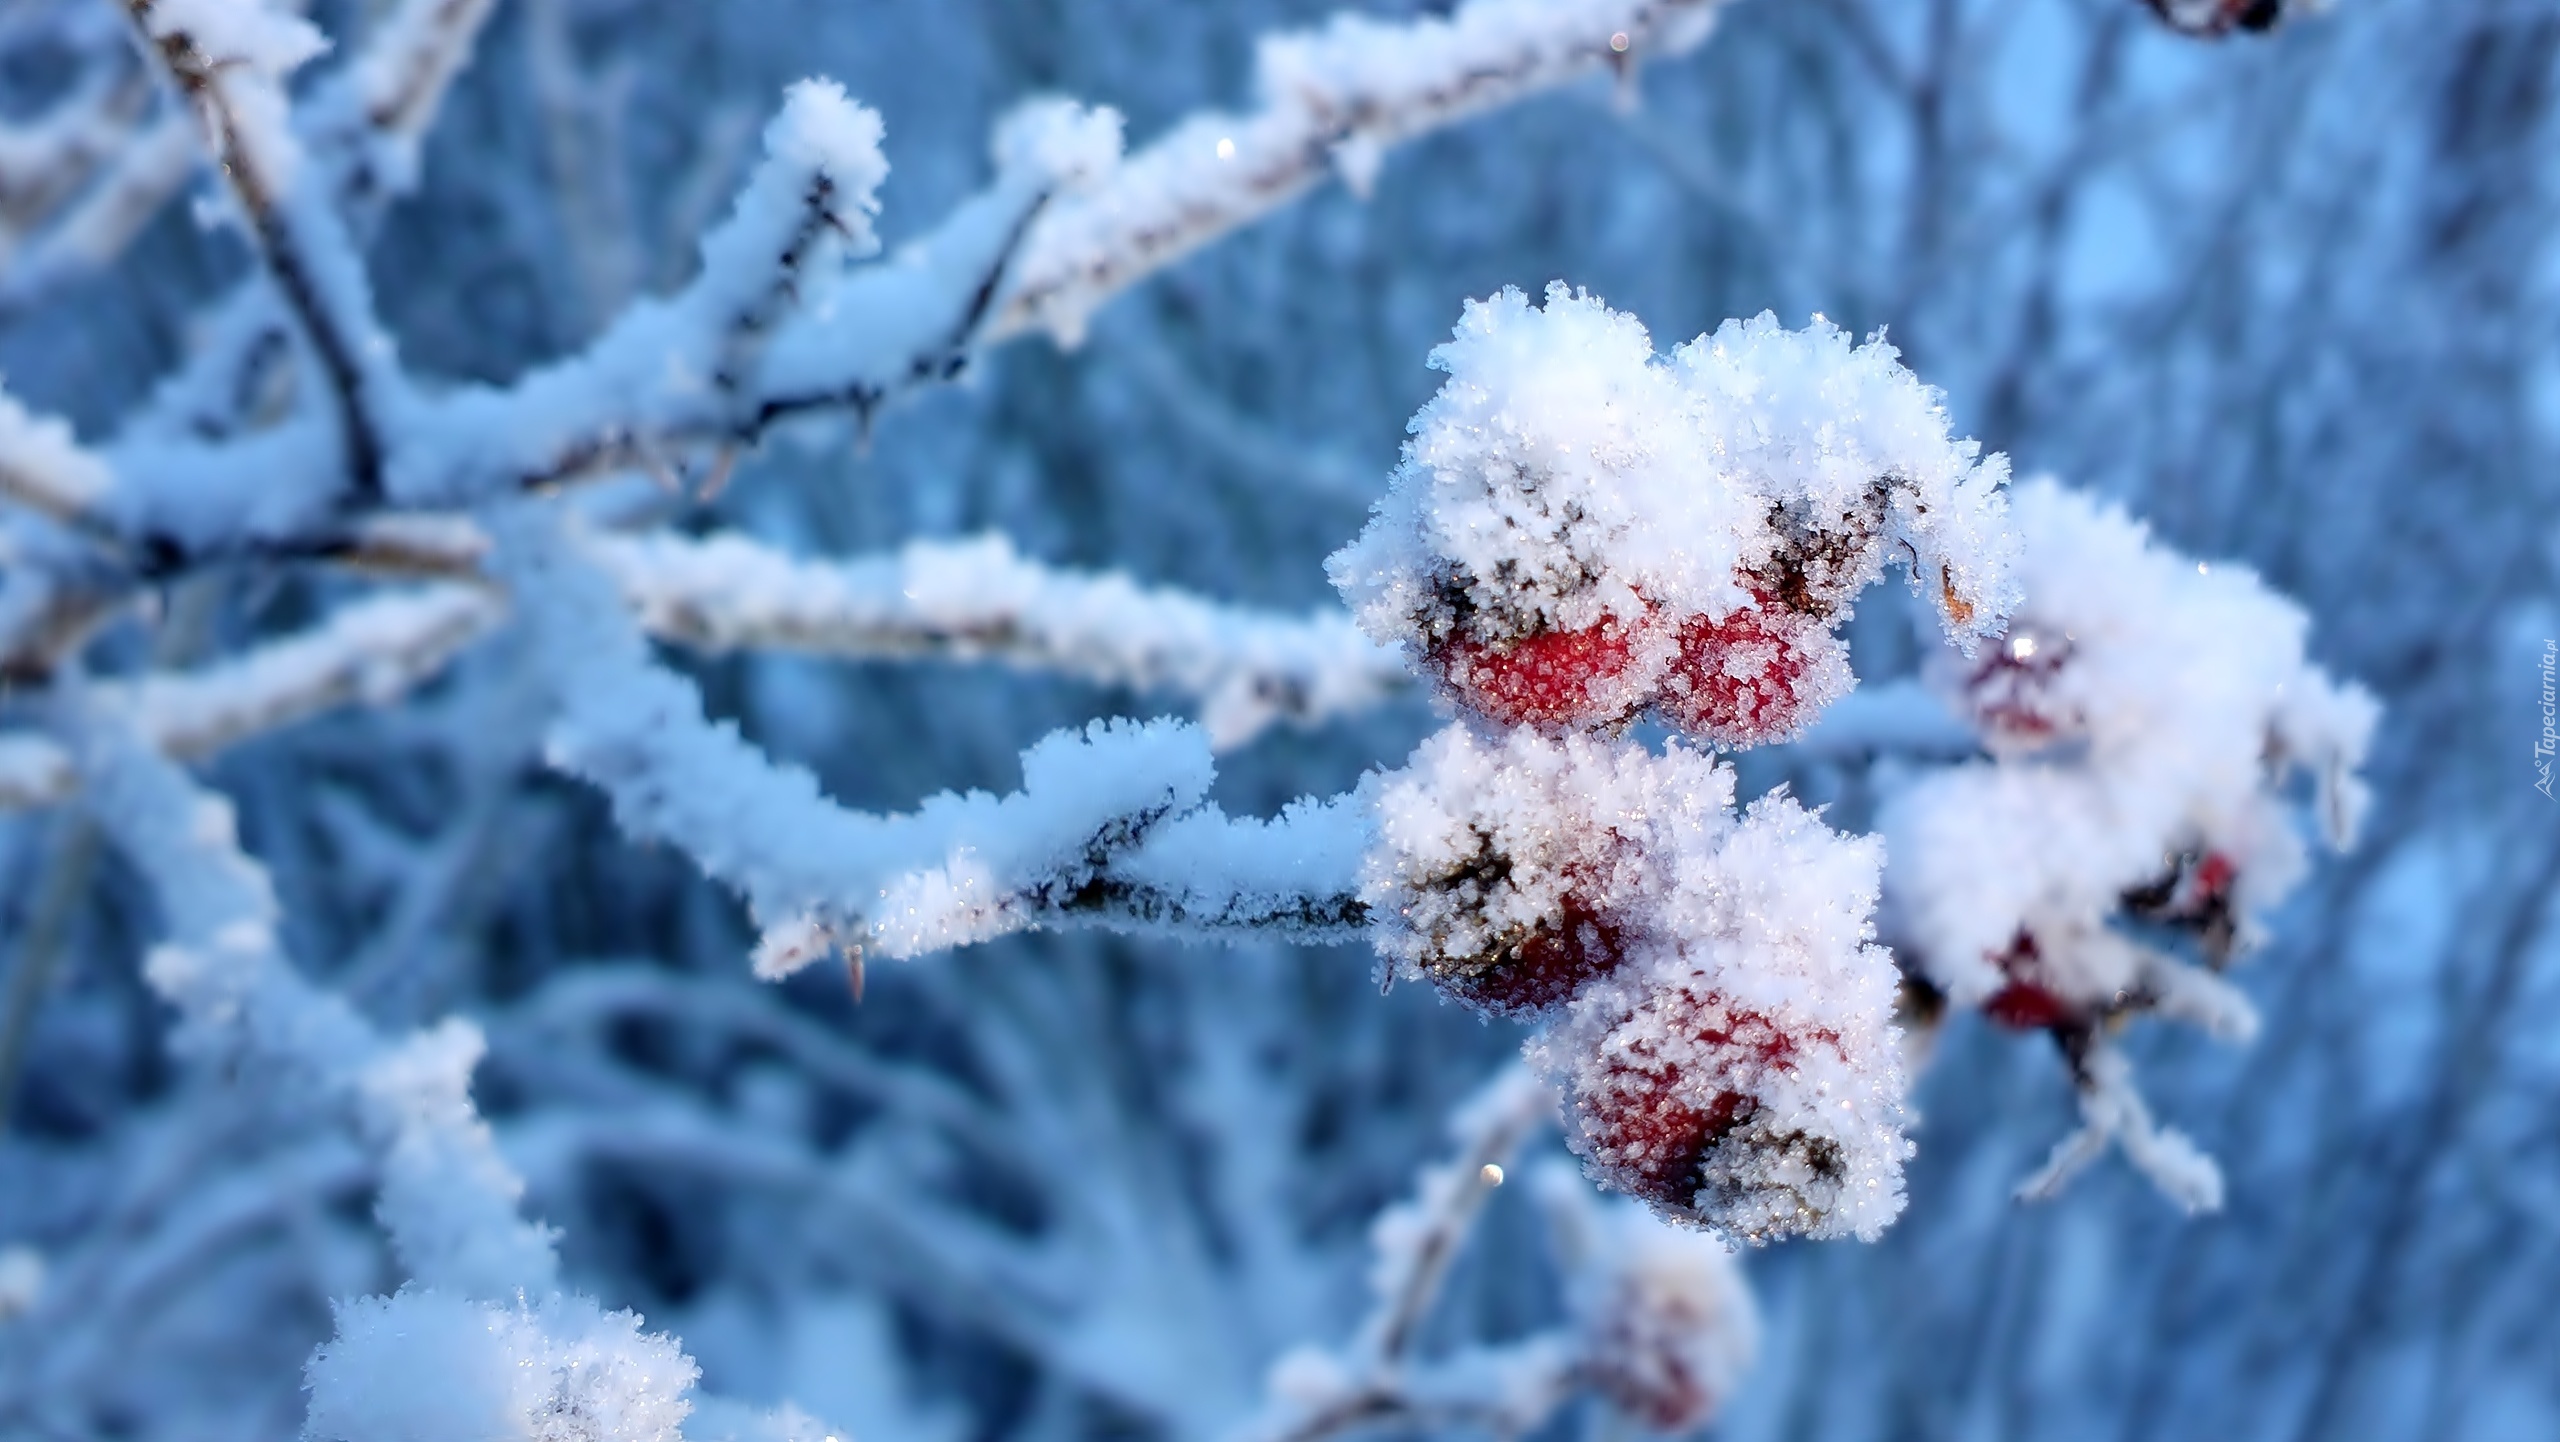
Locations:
(426, 1365)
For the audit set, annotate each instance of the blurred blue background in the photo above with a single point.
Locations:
(2290, 297)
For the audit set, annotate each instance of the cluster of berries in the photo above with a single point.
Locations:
(1581, 534)
(1718, 1019)
(2114, 852)
(1758, 672)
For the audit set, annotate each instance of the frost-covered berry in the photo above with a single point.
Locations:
(2016, 693)
(1739, 1069)
(2029, 1006)
(2199, 895)
(2025, 1002)
(1756, 675)
(1674, 1081)
(1555, 679)
(1668, 1325)
(1572, 508)
(1542, 969)
(1507, 870)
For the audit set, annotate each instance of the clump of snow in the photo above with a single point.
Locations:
(1072, 145)
(1580, 529)
(823, 167)
(266, 39)
(425, 1366)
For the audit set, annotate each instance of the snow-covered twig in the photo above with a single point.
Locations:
(980, 598)
(228, 59)
(1660, 1325)
(369, 119)
(1416, 1241)
(2112, 1111)
(44, 467)
(448, 1199)
(1333, 100)
(370, 651)
(768, 328)
(1112, 826)
(89, 227)
(1376, 1382)
(482, 1343)
(48, 159)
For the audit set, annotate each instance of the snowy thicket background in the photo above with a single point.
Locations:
(2288, 296)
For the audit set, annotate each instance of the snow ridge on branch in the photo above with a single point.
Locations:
(1112, 826)
(448, 1199)
(1333, 100)
(979, 598)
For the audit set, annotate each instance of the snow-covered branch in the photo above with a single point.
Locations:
(964, 601)
(228, 60)
(448, 1199)
(979, 598)
(368, 120)
(482, 1342)
(1660, 1324)
(45, 161)
(1111, 826)
(1332, 101)
(370, 651)
(770, 329)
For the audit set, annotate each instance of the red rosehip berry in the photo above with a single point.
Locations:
(2027, 1004)
(1555, 678)
(1539, 969)
(2214, 875)
(1645, 1373)
(2010, 689)
(1671, 1088)
(1739, 680)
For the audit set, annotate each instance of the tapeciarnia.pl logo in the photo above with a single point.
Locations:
(2549, 740)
